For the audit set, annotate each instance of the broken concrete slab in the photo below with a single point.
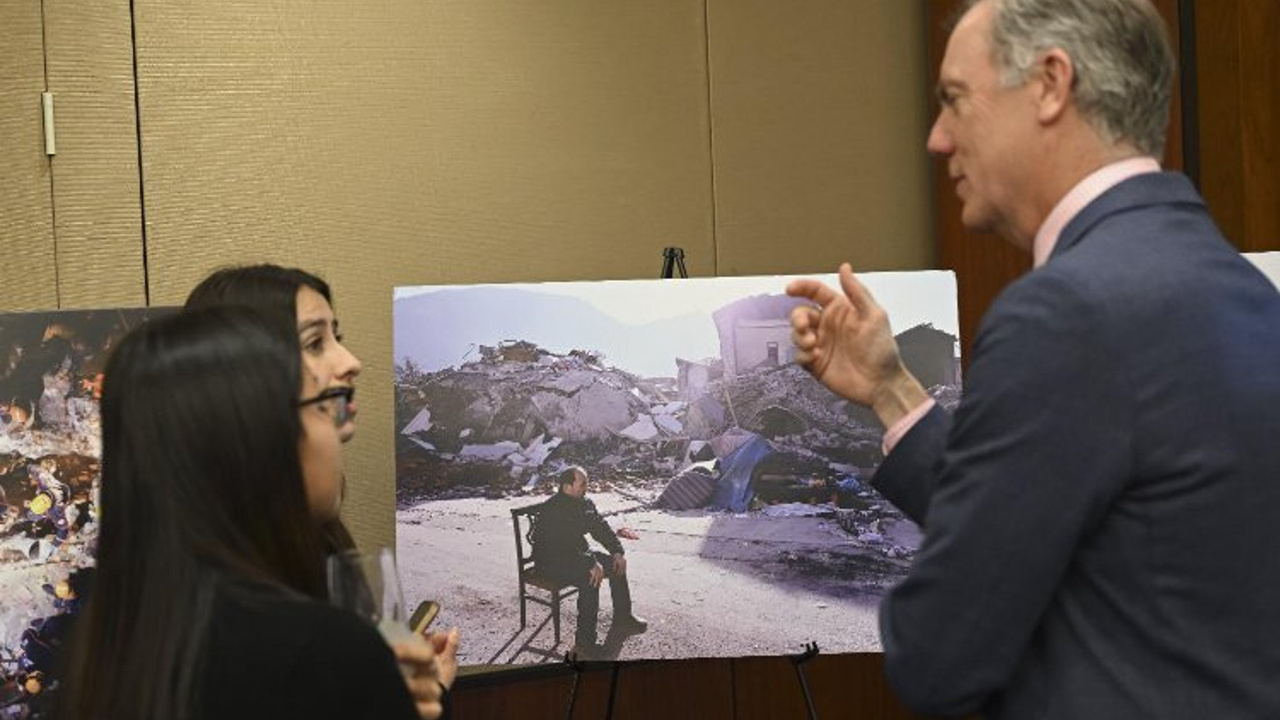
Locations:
(495, 451)
(420, 423)
(642, 429)
(669, 424)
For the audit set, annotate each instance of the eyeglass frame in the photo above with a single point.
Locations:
(344, 394)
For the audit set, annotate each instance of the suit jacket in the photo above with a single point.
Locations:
(1102, 514)
(559, 543)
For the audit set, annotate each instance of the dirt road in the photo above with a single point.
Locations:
(710, 584)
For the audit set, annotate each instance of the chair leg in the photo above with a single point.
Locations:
(555, 614)
(523, 620)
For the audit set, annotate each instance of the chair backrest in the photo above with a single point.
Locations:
(524, 552)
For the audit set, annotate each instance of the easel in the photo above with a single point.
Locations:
(672, 258)
(577, 666)
(810, 652)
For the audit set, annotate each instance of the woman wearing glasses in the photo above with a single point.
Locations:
(299, 302)
(296, 301)
(221, 459)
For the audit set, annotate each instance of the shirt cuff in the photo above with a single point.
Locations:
(908, 421)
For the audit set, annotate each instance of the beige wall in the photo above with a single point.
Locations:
(403, 142)
(818, 125)
(27, 250)
(97, 206)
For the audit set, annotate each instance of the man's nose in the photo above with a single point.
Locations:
(939, 142)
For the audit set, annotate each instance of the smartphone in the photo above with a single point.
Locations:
(423, 616)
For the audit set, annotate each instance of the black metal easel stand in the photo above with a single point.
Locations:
(810, 652)
(577, 666)
(613, 688)
(672, 258)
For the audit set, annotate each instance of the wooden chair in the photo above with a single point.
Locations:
(534, 586)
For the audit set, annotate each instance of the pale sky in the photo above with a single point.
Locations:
(910, 298)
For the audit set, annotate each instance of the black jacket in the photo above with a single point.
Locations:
(559, 530)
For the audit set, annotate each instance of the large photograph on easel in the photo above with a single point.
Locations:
(661, 421)
(51, 367)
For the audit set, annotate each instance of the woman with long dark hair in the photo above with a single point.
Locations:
(221, 460)
(300, 304)
(296, 302)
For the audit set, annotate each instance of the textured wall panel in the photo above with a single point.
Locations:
(399, 141)
(95, 173)
(819, 117)
(28, 280)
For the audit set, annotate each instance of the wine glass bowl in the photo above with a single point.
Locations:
(367, 584)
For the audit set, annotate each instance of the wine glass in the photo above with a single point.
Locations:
(368, 584)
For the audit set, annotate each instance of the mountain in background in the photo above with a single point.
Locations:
(442, 329)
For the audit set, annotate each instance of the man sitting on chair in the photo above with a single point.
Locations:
(560, 552)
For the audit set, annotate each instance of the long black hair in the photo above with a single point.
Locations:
(273, 291)
(202, 489)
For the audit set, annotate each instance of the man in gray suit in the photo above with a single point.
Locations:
(1102, 513)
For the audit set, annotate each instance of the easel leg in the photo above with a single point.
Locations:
(576, 665)
(810, 652)
(613, 688)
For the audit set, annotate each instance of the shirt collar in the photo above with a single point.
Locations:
(1085, 192)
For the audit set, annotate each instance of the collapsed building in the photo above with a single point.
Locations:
(749, 429)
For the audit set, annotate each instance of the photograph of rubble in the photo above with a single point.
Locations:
(51, 367)
(738, 486)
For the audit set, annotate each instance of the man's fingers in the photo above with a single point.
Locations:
(858, 294)
(804, 322)
(814, 290)
(804, 318)
(805, 358)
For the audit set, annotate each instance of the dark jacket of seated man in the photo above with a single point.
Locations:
(560, 552)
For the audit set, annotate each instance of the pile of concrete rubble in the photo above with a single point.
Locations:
(505, 423)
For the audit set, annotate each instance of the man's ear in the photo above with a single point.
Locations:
(1056, 75)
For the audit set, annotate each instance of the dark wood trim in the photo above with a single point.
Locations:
(1188, 85)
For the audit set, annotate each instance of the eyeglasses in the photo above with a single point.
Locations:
(340, 407)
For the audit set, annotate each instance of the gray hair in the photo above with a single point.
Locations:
(1124, 64)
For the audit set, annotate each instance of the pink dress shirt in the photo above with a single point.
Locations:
(1085, 192)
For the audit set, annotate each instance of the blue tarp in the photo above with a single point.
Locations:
(733, 489)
